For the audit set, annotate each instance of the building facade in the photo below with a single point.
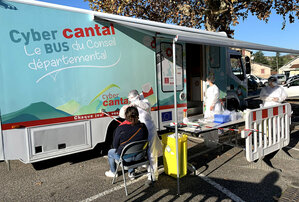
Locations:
(260, 70)
(291, 68)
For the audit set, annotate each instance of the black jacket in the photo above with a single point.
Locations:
(127, 133)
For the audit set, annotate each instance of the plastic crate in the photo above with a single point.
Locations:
(221, 118)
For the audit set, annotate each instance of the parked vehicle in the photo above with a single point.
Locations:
(290, 79)
(252, 84)
(61, 69)
(292, 89)
(262, 80)
(256, 79)
(281, 78)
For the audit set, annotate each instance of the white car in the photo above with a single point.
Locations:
(264, 81)
(260, 81)
(292, 78)
(292, 89)
(281, 78)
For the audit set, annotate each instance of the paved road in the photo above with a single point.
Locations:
(221, 175)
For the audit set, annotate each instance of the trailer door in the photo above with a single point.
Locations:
(195, 75)
(165, 83)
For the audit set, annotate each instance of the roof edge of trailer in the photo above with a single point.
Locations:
(157, 24)
(52, 5)
(234, 43)
(119, 18)
(193, 37)
(185, 34)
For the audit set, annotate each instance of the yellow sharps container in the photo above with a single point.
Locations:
(169, 154)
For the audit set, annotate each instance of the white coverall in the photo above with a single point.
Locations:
(155, 146)
(268, 93)
(212, 98)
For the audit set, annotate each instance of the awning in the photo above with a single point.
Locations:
(188, 35)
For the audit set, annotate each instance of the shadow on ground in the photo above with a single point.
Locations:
(196, 188)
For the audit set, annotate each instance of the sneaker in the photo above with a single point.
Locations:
(137, 171)
(110, 174)
(131, 175)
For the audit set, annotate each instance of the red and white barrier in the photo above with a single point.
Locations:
(266, 130)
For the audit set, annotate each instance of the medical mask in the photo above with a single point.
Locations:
(132, 99)
(274, 84)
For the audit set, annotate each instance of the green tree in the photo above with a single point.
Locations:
(214, 15)
(259, 57)
(278, 61)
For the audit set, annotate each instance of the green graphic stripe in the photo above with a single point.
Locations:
(103, 91)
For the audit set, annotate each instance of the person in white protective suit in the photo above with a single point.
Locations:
(212, 102)
(155, 146)
(272, 94)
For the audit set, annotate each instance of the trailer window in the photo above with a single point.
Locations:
(237, 67)
(167, 79)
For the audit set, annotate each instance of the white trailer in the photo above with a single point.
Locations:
(60, 66)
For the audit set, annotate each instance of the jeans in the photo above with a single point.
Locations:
(112, 156)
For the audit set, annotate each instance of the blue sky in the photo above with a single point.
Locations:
(252, 29)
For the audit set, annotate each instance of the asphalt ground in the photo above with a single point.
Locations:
(222, 174)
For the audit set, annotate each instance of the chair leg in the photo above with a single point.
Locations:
(115, 173)
(123, 171)
(151, 172)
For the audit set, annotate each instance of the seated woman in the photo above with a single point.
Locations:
(130, 130)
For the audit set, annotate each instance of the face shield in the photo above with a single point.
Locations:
(273, 81)
(133, 95)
